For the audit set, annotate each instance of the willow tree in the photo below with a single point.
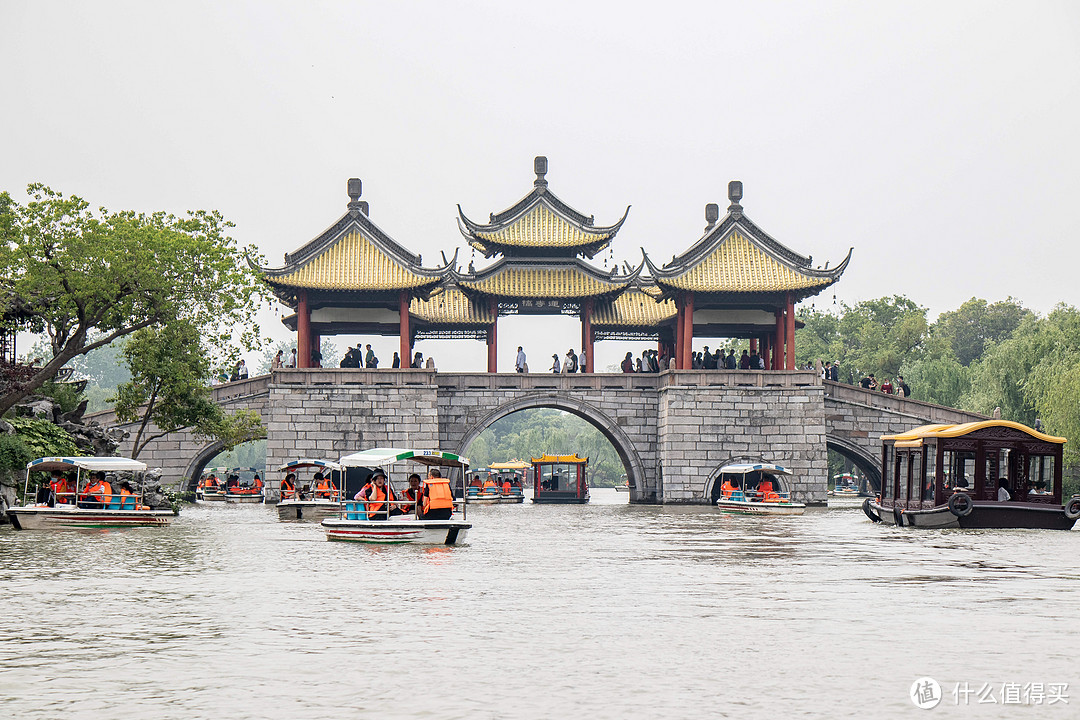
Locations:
(88, 277)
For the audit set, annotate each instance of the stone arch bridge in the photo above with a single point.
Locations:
(672, 430)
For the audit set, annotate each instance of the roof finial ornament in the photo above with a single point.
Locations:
(540, 168)
(734, 193)
(355, 188)
(712, 214)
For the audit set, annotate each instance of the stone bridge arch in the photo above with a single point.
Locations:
(608, 427)
(867, 464)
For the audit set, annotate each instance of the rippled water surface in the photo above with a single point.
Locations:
(601, 611)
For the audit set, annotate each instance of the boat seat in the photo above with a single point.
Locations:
(355, 511)
(114, 503)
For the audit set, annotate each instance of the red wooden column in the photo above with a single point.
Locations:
(492, 340)
(778, 341)
(766, 358)
(587, 334)
(790, 339)
(316, 349)
(688, 332)
(753, 347)
(405, 341)
(679, 326)
(303, 330)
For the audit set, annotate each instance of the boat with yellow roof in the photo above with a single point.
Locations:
(560, 479)
(984, 474)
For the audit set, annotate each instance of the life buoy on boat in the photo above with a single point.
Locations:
(869, 511)
(961, 505)
(898, 516)
(1072, 508)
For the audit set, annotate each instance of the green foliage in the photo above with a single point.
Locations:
(530, 433)
(973, 325)
(14, 453)
(66, 395)
(247, 454)
(170, 369)
(82, 274)
(43, 439)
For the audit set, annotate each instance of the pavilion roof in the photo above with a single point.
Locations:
(736, 256)
(538, 223)
(559, 278)
(451, 307)
(638, 307)
(353, 254)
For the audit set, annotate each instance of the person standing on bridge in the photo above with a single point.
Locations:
(519, 362)
(243, 370)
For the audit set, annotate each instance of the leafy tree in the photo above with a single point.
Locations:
(169, 372)
(87, 278)
(935, 375)
(973, 325)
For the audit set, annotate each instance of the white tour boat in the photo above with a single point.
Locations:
(79, 503)
(306, 501)
(354, 525)
(756, 489)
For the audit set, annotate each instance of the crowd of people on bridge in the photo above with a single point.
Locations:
(901, 388)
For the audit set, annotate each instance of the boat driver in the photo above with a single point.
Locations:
(436, 500)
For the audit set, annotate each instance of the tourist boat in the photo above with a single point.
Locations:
(745, 496)
(249, 489)
(512, 473)
(211, 487)
(352, 523)
(308, 503)
(560, 479)
(948, 476)
(844, 485)
(63, 512)
(483, 488)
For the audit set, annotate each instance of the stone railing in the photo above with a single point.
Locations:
(902, 406)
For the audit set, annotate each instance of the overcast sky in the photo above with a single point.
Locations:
(939, 139)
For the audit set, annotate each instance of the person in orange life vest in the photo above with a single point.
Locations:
(324, 487)
(765, 487)
(506, 487)
(412, 493)
(489, 485)
(62, 491)
(288, 487)
(376, 494)
(257, 483)
(476, 482)
(727, 489)
(436, 500)
(98, 492)
(127, 496)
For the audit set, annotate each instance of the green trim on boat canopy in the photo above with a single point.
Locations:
(384, 456)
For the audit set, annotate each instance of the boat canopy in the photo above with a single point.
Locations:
(512, 465)
(49, 464)
(744, 468)
(385, 456)
(914, 437)
(309, 462)
(545, 458)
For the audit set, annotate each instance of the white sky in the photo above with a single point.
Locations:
(937, 138)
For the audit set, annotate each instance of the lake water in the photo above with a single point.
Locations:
(599, 611)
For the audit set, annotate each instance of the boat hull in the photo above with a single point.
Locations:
(72, 518)
(746, 507)
(985, 515)
(209, 497)
(560, 501)
(511, 499)
(484, 499)
(243, 498)
(307, 510)
(416, 532)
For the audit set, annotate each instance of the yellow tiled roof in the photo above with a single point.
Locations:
(633, 308)
(541, 227)
(450, 307)
(543, 282)
(738, 265)
(352, 263)
(545, 458)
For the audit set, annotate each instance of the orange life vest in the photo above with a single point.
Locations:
(375, 497)
(765, 487)
(506, 487)
(325, 489)
(727, 489)
(62, 490)
(436, 495)
(127, 499)
(97, 491)
(211, 482)
(287, 489)
(489, 484)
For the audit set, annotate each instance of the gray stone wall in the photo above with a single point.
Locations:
(700, 431)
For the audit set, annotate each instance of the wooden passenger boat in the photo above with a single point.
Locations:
(307, 503)
(354, 525)
(756, 489)
(68, 510)
(949, 476)
(482, 488)
(560, 479)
